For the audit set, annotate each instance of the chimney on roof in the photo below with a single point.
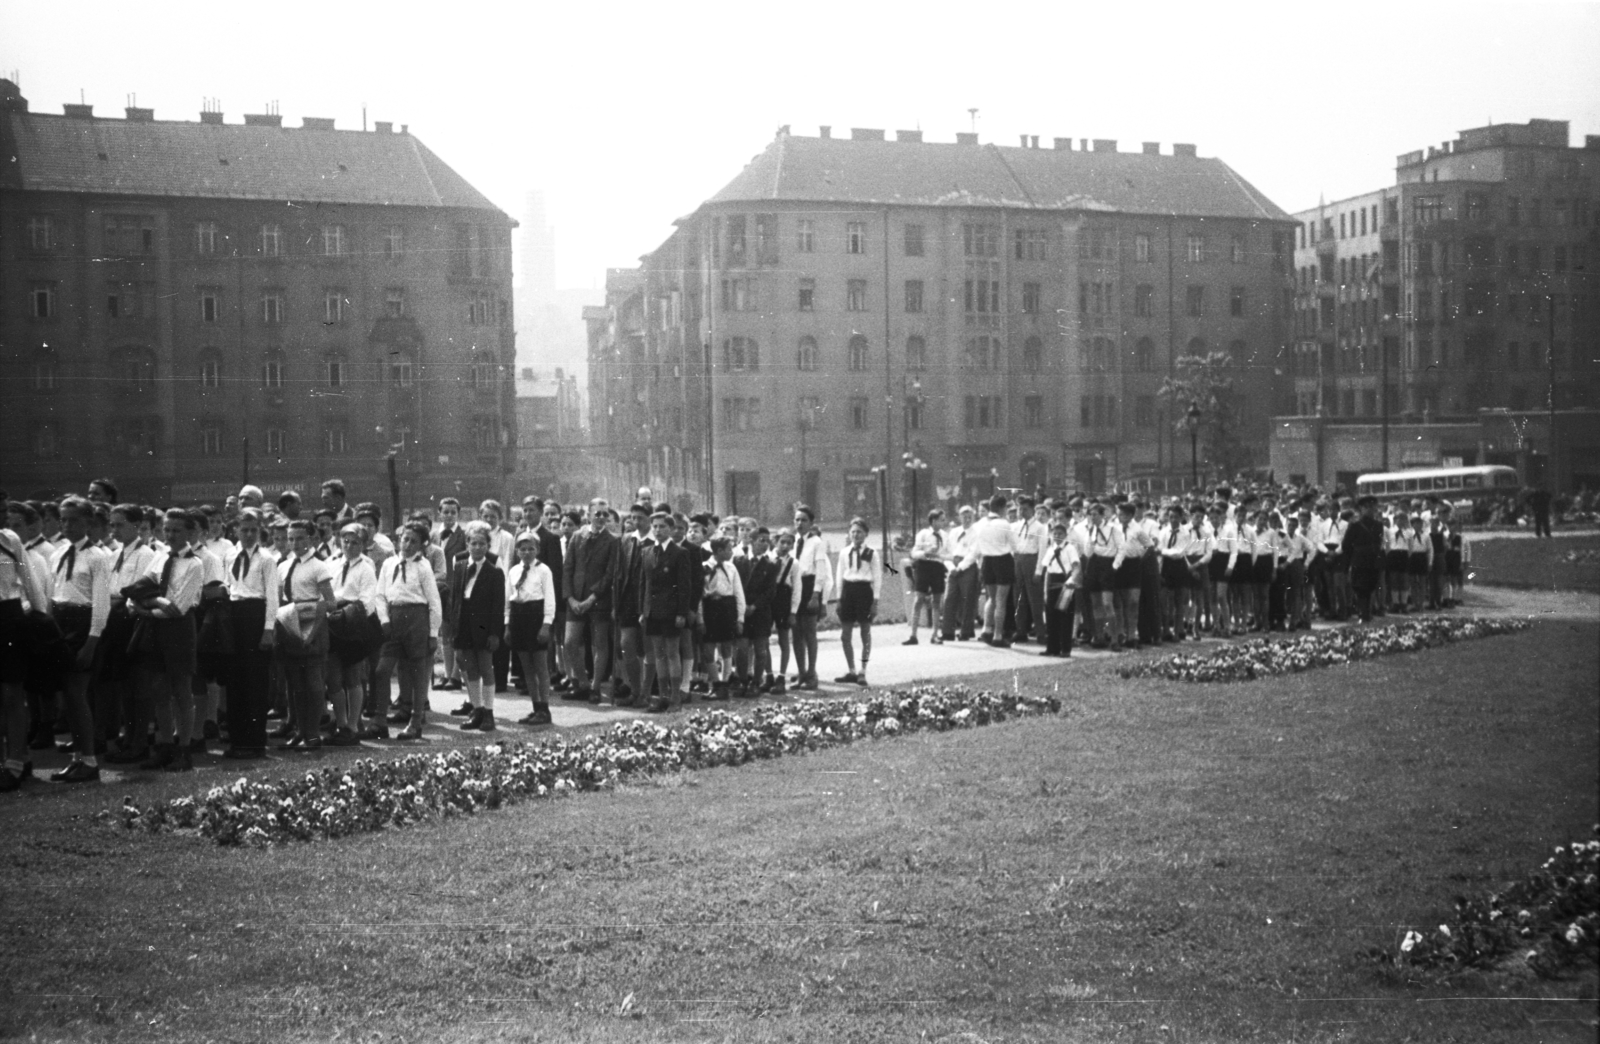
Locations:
(263, 119)
(1033, 142)
(405, 128)
(1179, 149)
(316, 123)
(825, 131)
(11, 99)
(1064, 144)
(211, 117)
(1590, 141)
(383, 126)
(138, 115)
(901, 135)
(966, 138)
(865, 134)
(1152, 148)
(78, 111)
(1105, 144)
(1083, 144)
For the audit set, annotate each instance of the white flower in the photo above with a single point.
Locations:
(1444, 930)
(1409, 942)
(1574, 934)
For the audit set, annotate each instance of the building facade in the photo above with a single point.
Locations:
(187, 304)
(965, 316)
(1466, 285)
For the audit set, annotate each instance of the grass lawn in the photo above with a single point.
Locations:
(1161, 862)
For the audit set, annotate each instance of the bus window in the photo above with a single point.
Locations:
(1472, 481)
(1411, 485)
(1502, 479)
(1455, 481)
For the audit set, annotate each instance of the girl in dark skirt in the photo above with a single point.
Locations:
(722, 608)
(1418, 562)
(860, 578)
(1454, 562)
(1396, 562)
(530, 612)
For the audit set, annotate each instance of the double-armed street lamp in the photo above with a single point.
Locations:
(913, 464)
(1192, 420)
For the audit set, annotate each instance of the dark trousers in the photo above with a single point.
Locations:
(1028, 594)
(961, 604)
(246, 682)
(1057, 622)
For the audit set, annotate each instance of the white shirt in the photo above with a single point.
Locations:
(811, 554)
(409, 581)
(252, 576)
(993, 538)
(929, 545)
(188, 578)
(787, 575)
(1058, 560)
(1104, 540)
(860, 564)
(531, 584)
(1033, 536)
(18, 573)
(82, 573)
(300, 579)
(722, 581)
(354, 581)
(961, 548)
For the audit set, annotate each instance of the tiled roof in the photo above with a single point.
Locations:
(43, 152)
(929, 174)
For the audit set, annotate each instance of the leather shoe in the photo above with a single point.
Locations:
(471, 724)
(77, 772)
(410, 733)
(281, 732)
(374, 732)
(294, 743)
(400, 718)
(9, 780)
(466, 710)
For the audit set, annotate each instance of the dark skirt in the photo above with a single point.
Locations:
(781, 596)
(1395, 561)
(175, 645)
(1218, 569)
(1452, 563)
(1261, 569)
(1128, 575)
(1417, 564)
(1098, 575)
(999, 571)
(721, 615)
(526, 620)
(927, 577)
(855, 602)
(661, 627)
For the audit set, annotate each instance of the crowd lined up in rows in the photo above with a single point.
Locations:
(149, 634)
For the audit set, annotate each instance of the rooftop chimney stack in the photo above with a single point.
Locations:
(383, 126)
(865, 134)
(907, 135)
(263, 119)
(135, 114)
(1064, 144)
(1152, 148)
(825, 131)
(966, 138)
(1033, 142)
(78, 110)
(1105, 145)
(316, 123)
(1179, 149)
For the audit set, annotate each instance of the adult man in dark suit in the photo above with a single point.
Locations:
(1363, 549)
(670, 580)
(453, 542)
(589, 570)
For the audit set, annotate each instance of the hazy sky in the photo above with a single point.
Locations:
(628, 115)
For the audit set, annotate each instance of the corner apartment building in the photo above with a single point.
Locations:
(183, 302)
(1468, 284)
(999, 315)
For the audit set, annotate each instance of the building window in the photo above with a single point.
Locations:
(738, 295)
(131, 300)
(211, 440)
(739, 354)
(336, 374)
(334, 304)
(913, 408)
(333, 241)
(1236, 350)
(916, 354)
(858, 412)
(980, 411)
(1238, 249)
(46, 371)
(1141, 249)
(277, 442)
(1031, 293)
(913, 295)
(42, 301)
(1143, 300)
(130, 235)
(1098, 354)
(1032, 355)
(333, 439)
(1236, 302)
(1028, 244)
(806, 357)
(480, 308)
(855, 295)
(1144, 411)
(394, 302)
(485, 372)
(1196, 252)
(205, 237)
(394, 242)
(271, 241)
(983, 354)
(210, 305)
(810, 406)
(402, 371)
(272, 372)
(210, 369)
(858, 353)
(45, 442)
(1425, 210)
(1097, 411)
(982, 295)
(855, 237)
(741, 414)
(736, 238)
(914, 241)
(1033, 411)
(39, 232)
(980, 240)
(1144, 355)
(767, 238)
(805, 241)
(1194, 300)
(1097, 244)
(272, 307)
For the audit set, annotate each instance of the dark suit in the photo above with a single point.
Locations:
(481, 615)
(671, 580)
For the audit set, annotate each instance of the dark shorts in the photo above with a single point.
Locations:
(661, 627)
(1417, 565)
(855, 602)
(999, 571)
(722, 619)
(780, 606)
(808, 587)
(1452, 563)
(1098, 576)
(1218, 568)
(408, 633)
(758, 624)
(927, 577)
(527, 618)
(13, 643)
(1175, 573)
(1395, 561)
(1128, 575)
(1261, 569)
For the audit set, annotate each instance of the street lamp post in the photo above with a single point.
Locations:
(1192, 419)
(913, 465)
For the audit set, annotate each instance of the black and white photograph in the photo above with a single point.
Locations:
(856, 523)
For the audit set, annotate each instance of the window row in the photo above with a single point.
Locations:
(134, 371)
(1097, 298)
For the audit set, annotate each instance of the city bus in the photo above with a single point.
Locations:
(1485, 480)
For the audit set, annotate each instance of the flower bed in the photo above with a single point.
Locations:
(1264, 657)
(1548, 922)
(372, 794)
